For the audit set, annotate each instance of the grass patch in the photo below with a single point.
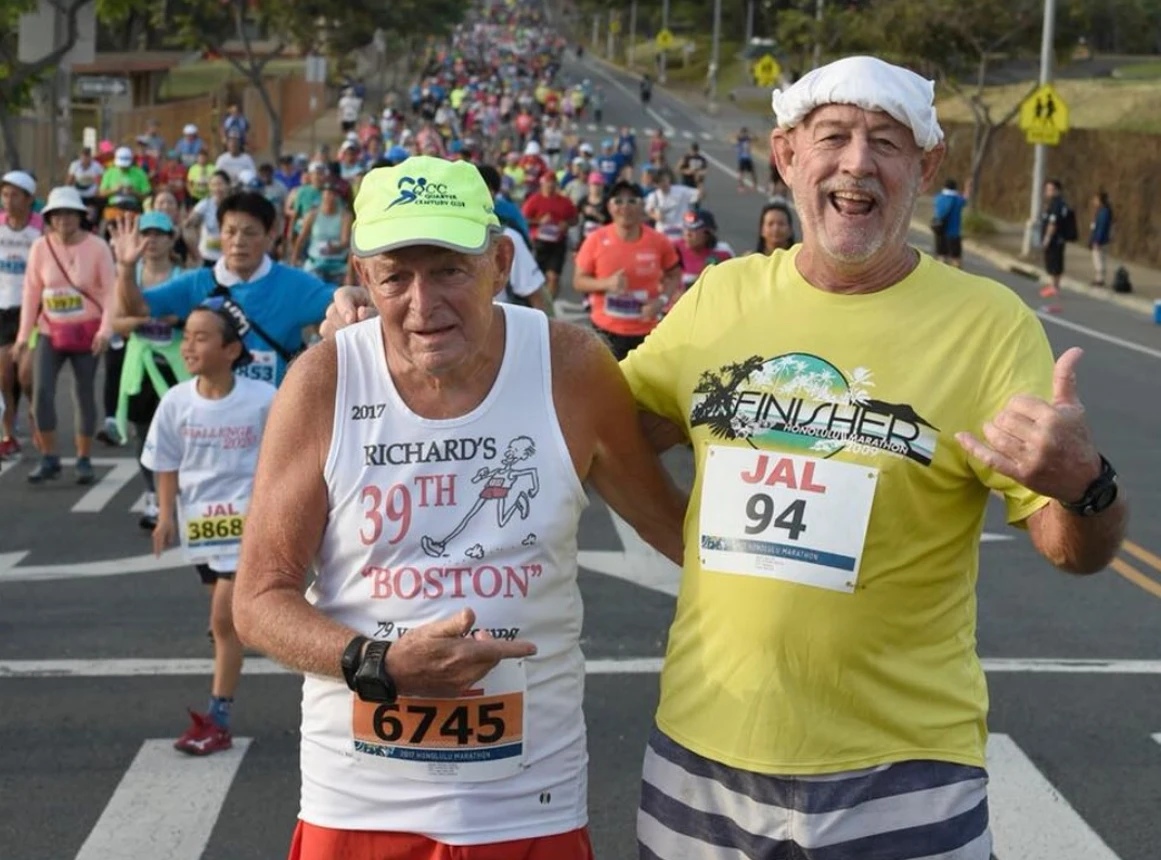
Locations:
(1100, 103)
(977, 225)
(1139, 71)
(209, 76)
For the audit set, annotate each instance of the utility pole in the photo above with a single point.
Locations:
(749, 21)
(714, 54)
(664, 26)
(1040, 155)
(610, 35)
(596, 40)
(632, 34)
(819, 8)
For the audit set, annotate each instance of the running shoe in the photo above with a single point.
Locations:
(9, 447)
(1048, 291)
(48, 469)
(109, 434)
(84, 470)
(148, 519)
(203, 736)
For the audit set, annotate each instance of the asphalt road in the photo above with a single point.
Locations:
(86, 770)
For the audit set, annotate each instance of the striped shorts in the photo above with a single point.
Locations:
(696, 809)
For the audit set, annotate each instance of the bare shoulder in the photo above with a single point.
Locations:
(305, 403)
(579, 357)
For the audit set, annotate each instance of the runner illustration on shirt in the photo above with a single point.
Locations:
(500, 485)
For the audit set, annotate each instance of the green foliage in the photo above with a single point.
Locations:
(977, 225)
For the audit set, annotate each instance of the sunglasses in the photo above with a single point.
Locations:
(625, 201)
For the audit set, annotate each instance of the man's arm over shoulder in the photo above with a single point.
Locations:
(286, 522)
(597, 407)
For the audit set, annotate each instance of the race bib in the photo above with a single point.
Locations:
(548, 233)
(63, 303)
(626, 305)
(591, 227)
(263, 366)
(475, 737)
(213, 529)
(785, 516)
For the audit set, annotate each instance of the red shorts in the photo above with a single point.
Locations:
(322, 843)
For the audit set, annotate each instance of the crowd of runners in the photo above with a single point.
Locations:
(439, 495)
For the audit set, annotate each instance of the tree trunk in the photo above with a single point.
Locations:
(11, 148)
(275, 120)
(979, 153)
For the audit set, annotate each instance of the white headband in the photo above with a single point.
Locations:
(868, 83)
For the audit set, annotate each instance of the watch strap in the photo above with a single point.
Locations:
(352, 656)
(1096, 497)
(372, 683)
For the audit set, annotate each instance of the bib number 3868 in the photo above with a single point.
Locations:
(785, 516)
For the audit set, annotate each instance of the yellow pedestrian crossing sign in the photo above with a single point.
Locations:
(767, 72)
(1044, 116)
(665, 40)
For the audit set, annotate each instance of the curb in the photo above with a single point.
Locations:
(1004, 260)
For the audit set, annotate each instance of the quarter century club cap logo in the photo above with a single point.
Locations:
(420, 191)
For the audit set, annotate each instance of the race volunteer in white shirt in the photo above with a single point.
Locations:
(349, 107)
(85, 175)
(668, 203)
(431, 460)
(233, 161)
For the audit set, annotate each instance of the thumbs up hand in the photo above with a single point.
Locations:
(1046, 447)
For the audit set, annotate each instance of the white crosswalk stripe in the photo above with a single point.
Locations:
(688, 135)
(592, 126)
(705, 135)
(163, 792)
(611, 129)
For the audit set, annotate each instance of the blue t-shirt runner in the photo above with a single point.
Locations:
(279, 300)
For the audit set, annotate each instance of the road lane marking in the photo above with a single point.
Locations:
(592, 126)
(180, 666)
(11, 570)
(1030, 819)
(687, 134)
(166, 804)
(1100, 335)
(1135, 576)
(705, 135)
(611, 129)
(122, 471)
(1142, 554)
(1157, 737)
(662, 121)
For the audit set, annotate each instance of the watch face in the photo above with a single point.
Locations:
(1105, 497)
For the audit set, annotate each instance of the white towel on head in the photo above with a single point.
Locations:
(869, 83)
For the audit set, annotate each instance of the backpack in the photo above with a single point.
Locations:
(1068, 229)
(1121, 282)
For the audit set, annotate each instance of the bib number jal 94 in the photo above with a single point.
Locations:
(785, 516)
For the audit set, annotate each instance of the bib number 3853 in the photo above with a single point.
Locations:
(785, 516)
(474, 737)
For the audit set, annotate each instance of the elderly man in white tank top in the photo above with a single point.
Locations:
(438, 497)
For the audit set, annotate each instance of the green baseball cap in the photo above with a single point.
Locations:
(424, 201)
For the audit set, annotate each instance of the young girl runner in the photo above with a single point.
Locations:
(203, 448)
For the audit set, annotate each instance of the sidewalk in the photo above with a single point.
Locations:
(1001, 249)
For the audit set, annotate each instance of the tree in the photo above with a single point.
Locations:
(18, 80)
(956, 43)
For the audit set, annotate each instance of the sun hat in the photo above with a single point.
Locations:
(190, 129)
(20, 179)
(123, 157)
(596, 178)
(869, 83)
(64, 198)
(155, 221)
(424, 201)
(533, 148)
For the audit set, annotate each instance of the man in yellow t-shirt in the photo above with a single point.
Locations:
(821, 685)
(821, 695)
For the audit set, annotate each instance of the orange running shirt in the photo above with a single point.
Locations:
(644, 261)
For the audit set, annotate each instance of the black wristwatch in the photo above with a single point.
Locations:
(372, 683)
(352, 655)
(1099, 496)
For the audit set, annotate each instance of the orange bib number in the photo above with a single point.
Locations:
(475, 737)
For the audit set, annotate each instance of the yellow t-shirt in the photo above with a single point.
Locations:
(781, 677)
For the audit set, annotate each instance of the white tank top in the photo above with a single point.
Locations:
(15, 246)
(428, 517)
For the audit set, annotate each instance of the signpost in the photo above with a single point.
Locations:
(767, 71)
(97, 87)
(316, 77)
(1044, 116)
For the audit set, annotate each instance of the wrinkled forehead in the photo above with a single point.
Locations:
(849, 117)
